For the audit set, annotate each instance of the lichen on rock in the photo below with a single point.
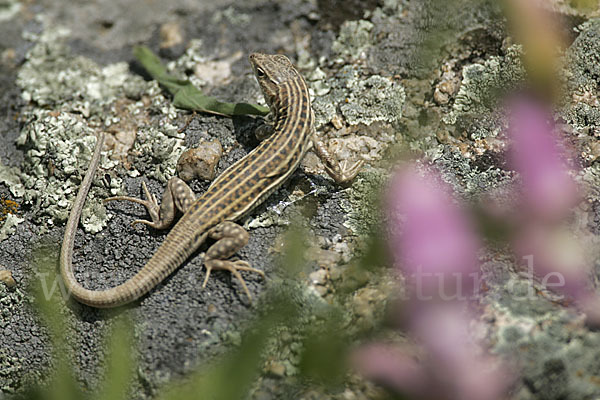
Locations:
(360, 101)
(583, 56)
(481, 86)
(70, 99)
(354, 39)
(9, 225)
(582, 81)
(59, 147)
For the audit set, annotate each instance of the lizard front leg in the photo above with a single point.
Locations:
(266, 129)
(230, 237)
(339, 173)
(177, 196)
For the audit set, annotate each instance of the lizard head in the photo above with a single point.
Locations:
(271, 71)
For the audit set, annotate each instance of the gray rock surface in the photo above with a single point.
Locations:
(389, 78)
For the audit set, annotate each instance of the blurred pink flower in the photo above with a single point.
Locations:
(431, 237)
(390, 366)
(433, 242)
(556, 258)
(455, 362)
(549, 193)
(452, 369)
(548, 190)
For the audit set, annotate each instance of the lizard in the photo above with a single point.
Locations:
(231, 196)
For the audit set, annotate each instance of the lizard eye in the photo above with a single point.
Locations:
(260, 73)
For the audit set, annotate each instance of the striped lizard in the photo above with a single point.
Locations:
(238, 190)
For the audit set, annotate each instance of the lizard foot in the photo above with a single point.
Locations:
(343, 173)
(150, 203)
(234, 267)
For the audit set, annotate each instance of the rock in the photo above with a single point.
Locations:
(318, 277)
(276, 369)
(7, 278)
(200, 162)
(171, 35)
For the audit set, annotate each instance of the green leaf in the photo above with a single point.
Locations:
(585, 6)
(47, 289)
(119, 365)
(186, 95)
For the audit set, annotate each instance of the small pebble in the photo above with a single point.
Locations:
(276, 368)
(318, 277)
(7, 278)
(337, 122)
(348, 395)
(200, 162)
(171, 35)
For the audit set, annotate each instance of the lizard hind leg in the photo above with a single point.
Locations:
(177, 196)
(230, 237)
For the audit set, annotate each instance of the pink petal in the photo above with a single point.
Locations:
(432, 239)
(555, 257)
(454, 359)
(386, 364)
(549, 192)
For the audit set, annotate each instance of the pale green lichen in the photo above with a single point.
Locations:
(188, 61)
(71, 98)
(361, 206)
(318, 82)
(193, 56)
(360, 100)
(582, 78)
(552, 347)
(10, 177)
(354, 39)
(583, 57)
(157, 144)
(467, 178)
(360, 97)
(481, 86)
(233, 16)
(54, 77)
(9, 226)
(374, 99)
(582, 107)
(59, 148)
(8, 9)
(590, 179)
